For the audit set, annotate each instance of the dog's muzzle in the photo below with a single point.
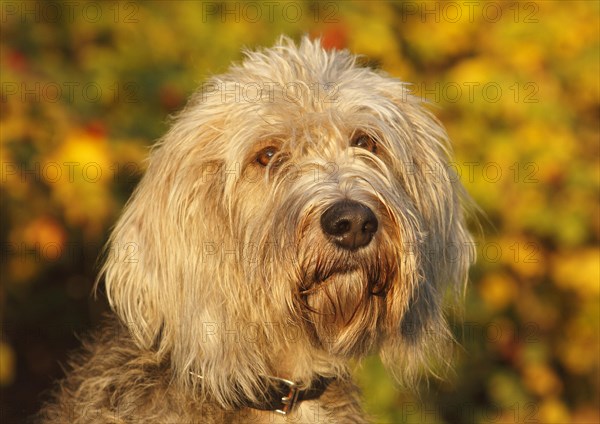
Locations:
(349, 224)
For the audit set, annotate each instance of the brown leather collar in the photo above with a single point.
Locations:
(283, 395)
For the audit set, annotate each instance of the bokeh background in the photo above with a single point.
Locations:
(86, 89)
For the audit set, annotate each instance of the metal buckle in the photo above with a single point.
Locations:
(291, 399)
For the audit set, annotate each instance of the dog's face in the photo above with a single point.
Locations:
(297, 191)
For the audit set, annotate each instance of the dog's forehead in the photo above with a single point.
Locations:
(306, 127)
(308, 79)
(305, 98)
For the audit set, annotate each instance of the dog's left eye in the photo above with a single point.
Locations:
(265, 156)
(364, 142)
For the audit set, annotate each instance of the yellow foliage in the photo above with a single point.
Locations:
(578, 271)
(7, 364)
(24, 266)
(43, 232)
(498, 291)
(553, 410)
(542, 380)
(578, 348)
(377, 41)
(80, 175)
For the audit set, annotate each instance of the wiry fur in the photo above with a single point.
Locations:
(229, 275)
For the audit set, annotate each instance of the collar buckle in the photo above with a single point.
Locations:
(289, 401)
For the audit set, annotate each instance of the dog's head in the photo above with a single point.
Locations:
(300, 205)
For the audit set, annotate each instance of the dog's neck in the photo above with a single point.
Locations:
(283, 396)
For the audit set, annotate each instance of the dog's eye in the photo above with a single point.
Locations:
(364, 142)
(265, 156)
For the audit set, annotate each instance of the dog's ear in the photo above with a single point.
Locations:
(444, 252)
(172, 269)
(149, 247)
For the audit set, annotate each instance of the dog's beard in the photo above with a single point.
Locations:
(343, 295)
(344, 312)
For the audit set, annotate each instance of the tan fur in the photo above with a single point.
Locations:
(232, 277)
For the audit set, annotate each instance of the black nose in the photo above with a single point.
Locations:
(349, 224)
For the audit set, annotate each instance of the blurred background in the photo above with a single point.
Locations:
(87, 87)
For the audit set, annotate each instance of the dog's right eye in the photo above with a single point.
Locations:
(265, 156)
(364, 141)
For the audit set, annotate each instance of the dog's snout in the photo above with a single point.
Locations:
(349, 224)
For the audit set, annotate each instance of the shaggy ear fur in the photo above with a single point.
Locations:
(166, 250)
(445, 251)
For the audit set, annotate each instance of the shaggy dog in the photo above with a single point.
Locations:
(300, 212)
